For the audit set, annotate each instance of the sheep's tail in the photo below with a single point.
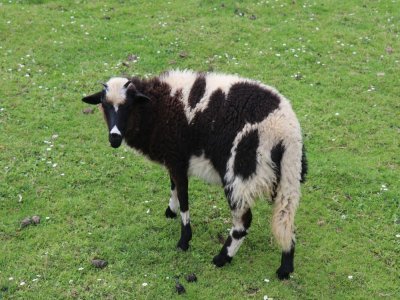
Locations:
(287, 195)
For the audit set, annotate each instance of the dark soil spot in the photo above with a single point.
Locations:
(191, 277)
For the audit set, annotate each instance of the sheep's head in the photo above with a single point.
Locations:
(116, 101)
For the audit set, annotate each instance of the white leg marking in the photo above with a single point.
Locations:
(234, 247)
(173, 201)
(115, 130)
(185, 217)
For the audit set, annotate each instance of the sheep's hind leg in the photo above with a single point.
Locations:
(173, 207)
(286, 267)
(241, 224)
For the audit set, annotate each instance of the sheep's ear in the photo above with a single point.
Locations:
(141, 97)
(133, 94)
(93, 99)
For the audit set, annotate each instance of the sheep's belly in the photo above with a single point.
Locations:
(202, 167)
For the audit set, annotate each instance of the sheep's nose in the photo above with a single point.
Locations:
(115, 140)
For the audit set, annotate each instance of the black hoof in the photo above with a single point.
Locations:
(283, 274)
(183, 245)
(170, 214)
(221, 259)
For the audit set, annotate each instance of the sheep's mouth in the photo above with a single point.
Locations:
(115, 140)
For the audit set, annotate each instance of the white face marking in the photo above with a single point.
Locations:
(116, 93)
(185, 217)
(115, 130)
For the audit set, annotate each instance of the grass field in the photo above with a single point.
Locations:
(337, 61)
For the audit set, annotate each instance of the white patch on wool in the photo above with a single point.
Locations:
(280, 125)
(115, 92)
(180, 80)
(214, 81)
(202, 167)
(185, 217)
(115, 130)
(173, 201)
(183, 81)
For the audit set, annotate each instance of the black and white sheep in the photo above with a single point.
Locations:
(228, 130)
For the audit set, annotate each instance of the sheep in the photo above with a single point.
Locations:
(231, 131)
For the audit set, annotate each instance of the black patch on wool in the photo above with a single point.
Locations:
(304, 165)
(197, 91)
(247, 218)
(246, 155)
(214, 130)
(238, 234)
(276, 157)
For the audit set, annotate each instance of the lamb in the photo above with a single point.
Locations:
(227, 130)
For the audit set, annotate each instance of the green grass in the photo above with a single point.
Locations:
(338, 62)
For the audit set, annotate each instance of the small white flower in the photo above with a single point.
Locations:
(35, 279)
(48, 149)
(62, 174)
(144, 284)
(54, 165)
(277, 54)
(11, 278)
(398, 235)
(266, 280)
(22, 283)
(214, 206)
(71, 281)
(47, 218)
(148, 211)
(81, 268)
(343, 217)
(336, 114)
(350, 277)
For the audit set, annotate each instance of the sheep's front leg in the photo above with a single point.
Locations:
(183, 198)
(173, 206)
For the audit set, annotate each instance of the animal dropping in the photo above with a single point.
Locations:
(99, 263)
(234, 132)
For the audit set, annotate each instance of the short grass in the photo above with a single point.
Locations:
(338, 62)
